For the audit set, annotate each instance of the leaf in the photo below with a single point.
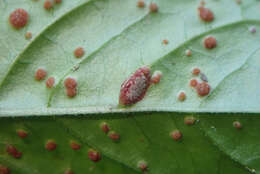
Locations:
(143, 136)
(113, 52)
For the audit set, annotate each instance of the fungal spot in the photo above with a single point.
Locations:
(176, 135)
(153, 7)
(113, 136)
(28, 35)
(189, 120)
(156, 77)
(11, 150)
(22, 133)
(196, 71)
(237, 125)
(181, 96)
(57, 1)
(68, 171)
(50, 82)
(210, 42)
(188, 53)
(203, 89)
(205, 14)
(94, 155)
(252, 29)
(140, 4)
(104, 127)
(79, 52)
(203, 77)
(134, 88)
(40, 74)
(165, 41)
(202, 3)
(48, 4)
(19, 18)
(193, 82)
(71, 92)
(50, 145)
(70, 83)
(142, 165)
(74, 145)
(4, 170)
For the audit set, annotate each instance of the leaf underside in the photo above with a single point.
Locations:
(118, 38)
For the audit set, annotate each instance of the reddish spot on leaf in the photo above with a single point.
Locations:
(68, 171)
(188, 53)
(4, 170)
(50, 145)
(176, 135)
(50, 82)
(40, 74)
(28, 35)
(237, 125)
(203, 89)
(140, 4)
(134, 88)
(153, 7)
(79, 52)
(22, 133)
(156, 77)
(48, 4)
(205, 14)
(70, 83)
(210, 42)
(142, 165)
(165, 41)
(94, 155)
(74, 145)
(11, 150)
(71, 92)
(19, 18)
(189, 120)
(196, 71)
(57, 1)
(105, 127)
(114, 136)
(182, 96)
(193, 82)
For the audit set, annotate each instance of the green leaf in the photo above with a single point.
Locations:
(114, 51)
(118, 38)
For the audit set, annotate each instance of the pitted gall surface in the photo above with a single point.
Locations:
(19, 18)
(176, 135)
(153, 7)
(40, 74)
(94, 155)
(193, 82)
(50, 145)
(203, 89)
(134, 88)
(50, 82)
(79, 52)
(210, 42)
(140, 4)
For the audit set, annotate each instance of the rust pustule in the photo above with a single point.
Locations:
(70, 83)
(188, 53)
(135, 87)
(205, 14)
(176, 135)
(79, 52)
(50, 82)
(142, 165)
(22, 133)
(94, 155)
(40, 74)
(140, 4)
(19, 18)
(105, 127)
(71, 92)
(156, 77)
(4, 170)
(193, 83)
(74, 145)
(50, 145)
(57, 1)
(165, 42)
(114, 136)
(195, 71)
(181, 96)
(210, 42)
(48, 4)
(189, 120)
(153, 7)
(13, 151)
(203, 89)
(28, 35)
(237, 125)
